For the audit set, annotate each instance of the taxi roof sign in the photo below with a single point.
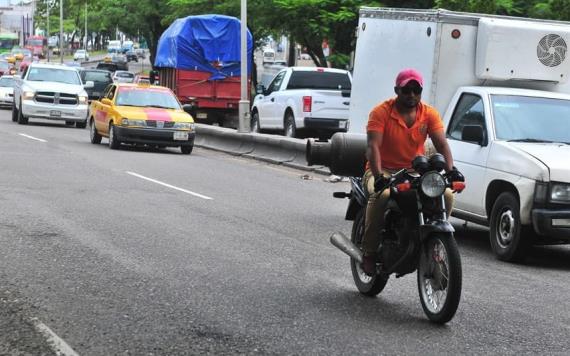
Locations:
(143, 83)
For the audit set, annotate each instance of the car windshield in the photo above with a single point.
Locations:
(7, 82)
(531, 119)
(54, 75)
(95, 76)
(146, 97)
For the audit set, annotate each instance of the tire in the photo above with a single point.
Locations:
(366, 285)
(22, 120)
(81, 125)
(93, 134)
(439, 253)
(255, 123)
(69, 123)
(289, 129)
(14, 113)
(114, 142)
(186, 149)
(510, 241)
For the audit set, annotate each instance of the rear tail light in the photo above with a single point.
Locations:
(404, 187)
(307, 103)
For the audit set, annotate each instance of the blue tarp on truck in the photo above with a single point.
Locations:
(207, 43)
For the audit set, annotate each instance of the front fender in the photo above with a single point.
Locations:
(440, 226)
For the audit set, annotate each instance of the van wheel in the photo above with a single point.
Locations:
(289, 126)
(510, 241)
(14, 113)
(81, 125)
(22, 120)
(186, 149)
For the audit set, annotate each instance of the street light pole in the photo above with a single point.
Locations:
(61, 31)
(244, 121)
(48, 5)
(85, 46)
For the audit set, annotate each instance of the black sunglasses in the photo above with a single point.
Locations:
(407, 90)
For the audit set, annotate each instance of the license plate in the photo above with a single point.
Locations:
(202, 115)
(181, 136)
(96, 93)
(55, 113)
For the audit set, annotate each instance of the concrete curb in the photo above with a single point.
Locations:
(289, 152)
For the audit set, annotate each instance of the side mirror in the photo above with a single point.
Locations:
(260, 89)
(106, 101)
(473, 133)
(188, 108)
(89, 84)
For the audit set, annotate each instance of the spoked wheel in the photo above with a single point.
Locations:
(369, 286)
(440, 277)
(290, 130)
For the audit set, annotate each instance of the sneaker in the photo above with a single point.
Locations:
(369, 265)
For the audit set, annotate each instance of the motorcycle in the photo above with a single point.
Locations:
(416, 235)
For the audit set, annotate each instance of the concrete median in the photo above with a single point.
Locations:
(274, 149)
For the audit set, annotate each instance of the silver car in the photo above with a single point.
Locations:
(122, 76)
(6, 91)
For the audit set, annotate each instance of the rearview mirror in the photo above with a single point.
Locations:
(106, 101)
(89, 84)
(188, 108)
(473, 133)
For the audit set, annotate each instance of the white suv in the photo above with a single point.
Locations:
(53, 92)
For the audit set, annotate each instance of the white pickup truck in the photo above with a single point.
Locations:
(53, 92)
(304, 98)
(502, 85)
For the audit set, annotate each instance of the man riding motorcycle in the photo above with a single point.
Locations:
(397, 130)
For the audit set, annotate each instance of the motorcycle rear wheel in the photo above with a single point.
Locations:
(366, 285)
(439, 277)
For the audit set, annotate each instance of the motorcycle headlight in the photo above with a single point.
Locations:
(433, 184)
(131, 122)
(184, 125)
(560, 193)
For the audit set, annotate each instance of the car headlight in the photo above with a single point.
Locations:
(131, 122)
(433, 184)
(28, 95)
(560, 193)
(184, 125)
(82, 99)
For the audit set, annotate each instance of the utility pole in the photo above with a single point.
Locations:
(48, 5)
(244, 121)
(61, 31)
(85, 26)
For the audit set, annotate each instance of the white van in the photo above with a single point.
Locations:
(268, 56)
(114, 46)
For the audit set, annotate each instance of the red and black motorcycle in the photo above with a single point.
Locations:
(416, 235)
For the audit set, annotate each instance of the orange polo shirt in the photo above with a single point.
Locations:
(400, 144)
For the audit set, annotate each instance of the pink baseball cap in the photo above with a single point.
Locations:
(406, 75)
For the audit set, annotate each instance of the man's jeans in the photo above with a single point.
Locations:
(377, 202)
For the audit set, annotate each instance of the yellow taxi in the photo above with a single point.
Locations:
(141, 114)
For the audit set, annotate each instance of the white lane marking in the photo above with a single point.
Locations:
(57, 344)
(169, 186)
(32, 137)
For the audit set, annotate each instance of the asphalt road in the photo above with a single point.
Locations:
(95, 248)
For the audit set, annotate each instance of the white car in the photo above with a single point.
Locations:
(53, 92)
(6, 91)
(81, 55)
(122, 76)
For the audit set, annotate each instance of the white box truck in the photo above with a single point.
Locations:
(501, 86)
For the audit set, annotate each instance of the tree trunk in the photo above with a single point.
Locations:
(292, 58)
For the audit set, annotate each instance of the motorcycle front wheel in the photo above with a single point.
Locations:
(367, 285)
(439, 277)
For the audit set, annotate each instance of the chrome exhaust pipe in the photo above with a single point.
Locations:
(344, 244)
